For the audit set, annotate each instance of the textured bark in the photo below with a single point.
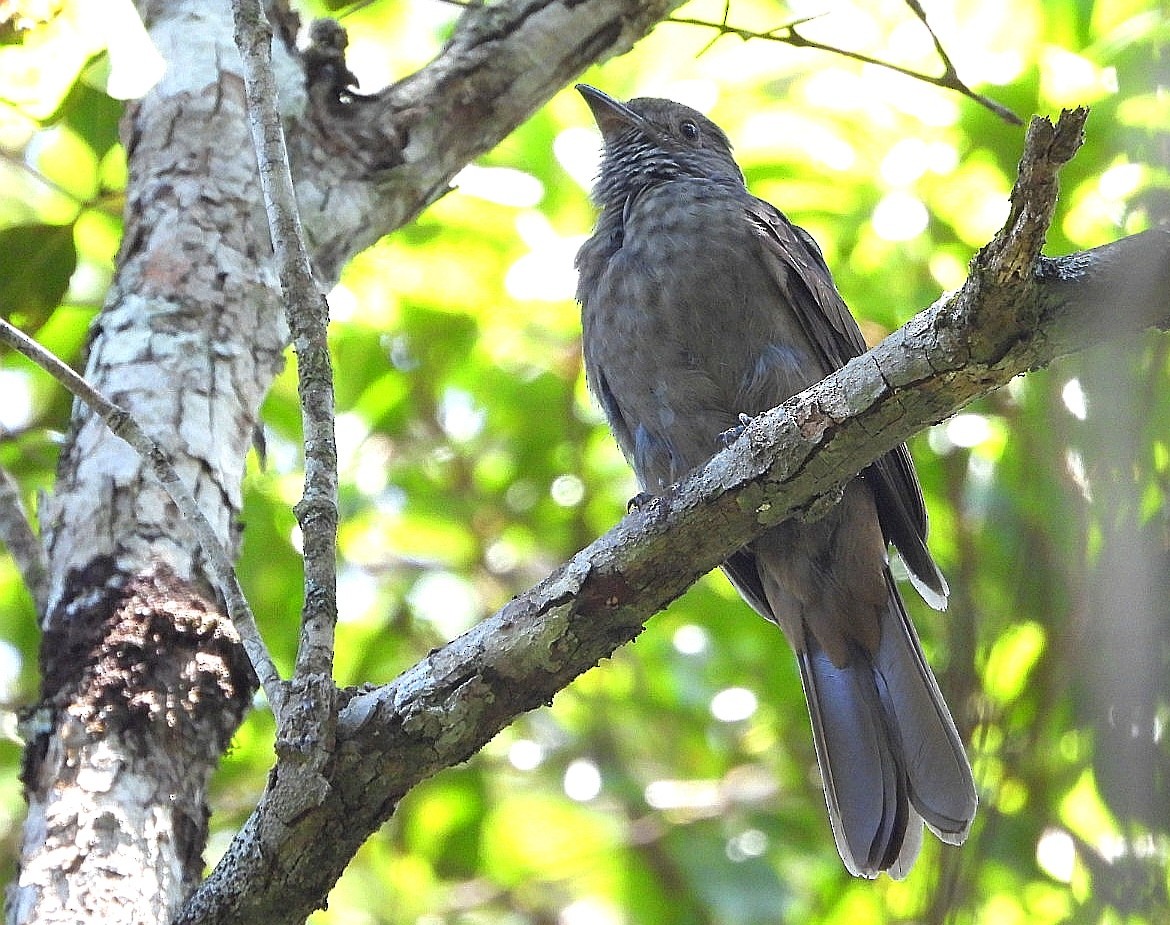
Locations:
(117, 818)
(143, 679)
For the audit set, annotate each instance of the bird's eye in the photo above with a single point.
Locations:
(689, 130)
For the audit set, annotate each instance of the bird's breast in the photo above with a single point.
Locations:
(688, 323)
(692, 278)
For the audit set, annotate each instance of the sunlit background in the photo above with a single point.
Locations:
(676, 783)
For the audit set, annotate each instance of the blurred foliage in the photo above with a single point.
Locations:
(676, 783)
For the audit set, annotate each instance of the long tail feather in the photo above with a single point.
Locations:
(940, 782)
(865, 787)
(889, 753)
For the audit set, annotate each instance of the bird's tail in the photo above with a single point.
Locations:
(889, 753)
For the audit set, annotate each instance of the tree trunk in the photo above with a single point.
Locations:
(144, 680)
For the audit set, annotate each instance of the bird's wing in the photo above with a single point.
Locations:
(622, 431)
(806, 284)
(804, 278)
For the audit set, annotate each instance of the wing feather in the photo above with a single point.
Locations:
(806, 283)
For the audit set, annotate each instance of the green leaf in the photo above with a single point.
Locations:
(36, 264)
(93, 115)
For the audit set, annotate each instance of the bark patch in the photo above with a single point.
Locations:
(147, 654)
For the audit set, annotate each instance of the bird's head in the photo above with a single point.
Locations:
(650, 140)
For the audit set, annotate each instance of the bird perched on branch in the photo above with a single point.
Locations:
(700, 304)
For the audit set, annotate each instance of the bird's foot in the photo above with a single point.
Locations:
(729, 436)
(639, 501)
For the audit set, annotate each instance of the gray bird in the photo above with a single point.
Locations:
(701, 303)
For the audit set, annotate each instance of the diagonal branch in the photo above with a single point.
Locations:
(449, 705)
(402, 146)
(950, 77)
(123, 425)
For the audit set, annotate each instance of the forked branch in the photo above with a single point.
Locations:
(787, 34)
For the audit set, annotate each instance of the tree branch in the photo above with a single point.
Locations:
(787, 34)
(123, 425)
(307, 728)
(446, 707)
(401, 147)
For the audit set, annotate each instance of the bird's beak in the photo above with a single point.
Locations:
(611, 116)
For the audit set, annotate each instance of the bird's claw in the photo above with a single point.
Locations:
(639, 501)
(729, 436)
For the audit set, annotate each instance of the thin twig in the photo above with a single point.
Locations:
(718, 35)
(308, 319)
(787, 34)
(123, 425)
(17, 534)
